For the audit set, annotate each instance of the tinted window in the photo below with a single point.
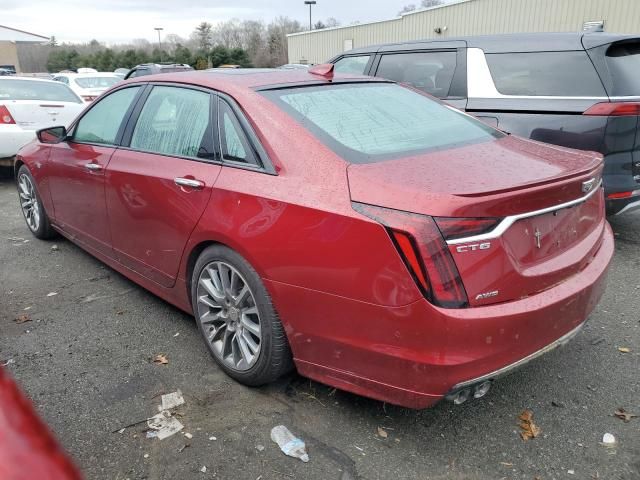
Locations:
(354, 65)
(139, 72)
(371, 122)
(102, 122)
(623, 62)
(566, 74)
(431, 72)
(64, 80)
(96, 82)
(235, 146)
(175, 121)
(34, 90)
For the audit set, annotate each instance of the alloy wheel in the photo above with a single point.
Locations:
(228, 315)
(29, 202)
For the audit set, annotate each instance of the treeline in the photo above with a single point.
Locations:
(245, 43)
(68, 57)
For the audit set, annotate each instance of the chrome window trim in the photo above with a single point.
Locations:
(506, 222)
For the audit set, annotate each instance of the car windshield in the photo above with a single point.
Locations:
(14, 89)
(96, 82)
(365, 123)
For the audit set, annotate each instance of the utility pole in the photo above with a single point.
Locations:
(310, 3)
(159, 29)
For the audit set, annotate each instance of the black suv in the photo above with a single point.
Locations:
(153, 68)
(578, 90)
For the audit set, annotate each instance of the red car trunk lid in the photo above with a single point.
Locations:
(549, 197)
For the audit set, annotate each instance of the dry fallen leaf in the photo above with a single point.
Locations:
(622, 414)
(529, 429)
(624, 349)
(22, 319)
(382, 433)
(161, 359)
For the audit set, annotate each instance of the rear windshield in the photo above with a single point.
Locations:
(623, 62)
(97, 82)
(557, 74)
(366, 123)
(33, 90)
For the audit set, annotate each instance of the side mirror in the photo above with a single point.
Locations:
(52, 135)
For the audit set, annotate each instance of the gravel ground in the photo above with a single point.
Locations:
(85, 360)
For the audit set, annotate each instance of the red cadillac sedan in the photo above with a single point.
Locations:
(375, 239)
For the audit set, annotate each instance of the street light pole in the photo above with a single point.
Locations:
(310, 3)
(159, 29)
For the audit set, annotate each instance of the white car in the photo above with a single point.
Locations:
(89, 85)
(29, 104)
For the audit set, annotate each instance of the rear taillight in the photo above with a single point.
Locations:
(454, 228)
(614, 109)
(5, 116)
(621, 195)
(424, 252)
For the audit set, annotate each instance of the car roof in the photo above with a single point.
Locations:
(512, 42)
(237, 79)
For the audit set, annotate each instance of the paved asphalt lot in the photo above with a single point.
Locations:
(84, 359)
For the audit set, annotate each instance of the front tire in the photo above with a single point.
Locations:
(31, 205)
(237, 319)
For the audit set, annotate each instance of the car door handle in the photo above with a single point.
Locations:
(94, 167)
(189, 182)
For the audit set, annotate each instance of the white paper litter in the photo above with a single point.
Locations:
(608, 439)
(164, 424)
(172, 400)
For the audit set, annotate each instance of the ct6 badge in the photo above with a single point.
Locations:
(472, 247)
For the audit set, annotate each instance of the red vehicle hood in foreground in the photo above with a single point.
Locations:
(28, 451)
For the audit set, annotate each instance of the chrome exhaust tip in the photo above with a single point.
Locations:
(478, 390)
(461, 396)
(481, 389)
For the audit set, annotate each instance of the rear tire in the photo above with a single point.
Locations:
(237, 319)
(31, 205)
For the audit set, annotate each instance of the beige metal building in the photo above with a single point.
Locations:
(23, 51)
(468, 17)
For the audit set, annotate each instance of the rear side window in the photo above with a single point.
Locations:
(365, 123)
(431, 72)
(101, 123)
(175, 121)
(623, 62)
(35, 90)
(353, 65)
(558, 74)
(235, 146)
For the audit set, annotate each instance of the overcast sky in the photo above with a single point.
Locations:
(115, 21)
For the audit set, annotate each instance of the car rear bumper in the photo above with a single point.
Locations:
(13, 138)
(416, 354)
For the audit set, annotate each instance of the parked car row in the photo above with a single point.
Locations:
(577, 90)
(361, 231)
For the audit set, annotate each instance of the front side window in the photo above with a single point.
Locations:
(559, 74)
(235, 145)
(175, 121)
(431, 72)
(101, 123)
(366, 123)
(352, 65)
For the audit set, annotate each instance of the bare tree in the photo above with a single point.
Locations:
(203, 36)
(431, 3)
(407, 8)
